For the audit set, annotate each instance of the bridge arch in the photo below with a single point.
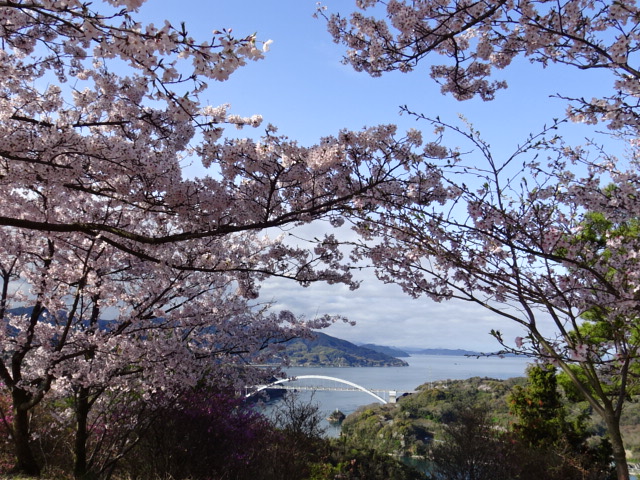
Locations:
(318, 377)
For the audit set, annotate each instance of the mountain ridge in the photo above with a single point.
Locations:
(326, 351)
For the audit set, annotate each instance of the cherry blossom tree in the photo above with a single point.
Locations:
(98, 114)
(170, 330)
(545, 237)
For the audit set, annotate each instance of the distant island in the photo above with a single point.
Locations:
(444, 351)
(407, 352)
(326, 351)
(392, 351)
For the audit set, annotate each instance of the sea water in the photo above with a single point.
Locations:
(422, 369)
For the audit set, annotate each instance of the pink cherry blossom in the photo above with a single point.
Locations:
(545, 237)
(137, 278)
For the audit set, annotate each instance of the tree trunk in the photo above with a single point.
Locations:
(27, 463)
(619, 453)
(80, 447)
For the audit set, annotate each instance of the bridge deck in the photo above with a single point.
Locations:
(324, 387)
(344, 386)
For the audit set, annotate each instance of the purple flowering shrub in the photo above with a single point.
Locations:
(205, 435)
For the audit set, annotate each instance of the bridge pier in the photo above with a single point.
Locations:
(393, 396)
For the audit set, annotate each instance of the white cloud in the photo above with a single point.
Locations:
(386, 316)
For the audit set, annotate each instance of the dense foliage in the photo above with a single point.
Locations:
(408, 427)
(489, 429)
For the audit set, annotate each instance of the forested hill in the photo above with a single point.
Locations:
(327, 351)
(392, 351)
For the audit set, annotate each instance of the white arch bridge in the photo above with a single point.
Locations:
(345, 386)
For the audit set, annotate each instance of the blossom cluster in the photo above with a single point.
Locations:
(479, 38)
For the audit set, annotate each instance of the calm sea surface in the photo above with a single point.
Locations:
(422, 369)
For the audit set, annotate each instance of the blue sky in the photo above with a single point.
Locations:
(302, 88)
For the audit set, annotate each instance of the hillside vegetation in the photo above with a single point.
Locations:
(327, 351)
(529, 419)
(409, 426)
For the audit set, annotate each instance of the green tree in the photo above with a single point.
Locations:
(545, 424)
(541, 415)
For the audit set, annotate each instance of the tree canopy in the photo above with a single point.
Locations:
(545, 237)
(120, 274)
